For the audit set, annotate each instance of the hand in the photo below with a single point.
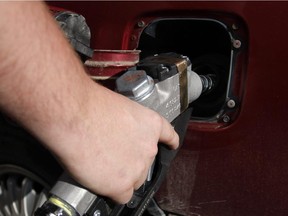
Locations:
(106, 141)
(112, 148)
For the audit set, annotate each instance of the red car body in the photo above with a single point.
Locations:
(225, 167)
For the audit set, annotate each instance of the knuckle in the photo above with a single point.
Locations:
(123, 197)
(153, 150)
(122, 194)
(141, 172)
(156, 118)
(126, 197)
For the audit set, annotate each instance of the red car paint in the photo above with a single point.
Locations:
(235, 168)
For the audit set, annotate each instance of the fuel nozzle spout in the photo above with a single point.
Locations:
(199, 85)
(208, 83)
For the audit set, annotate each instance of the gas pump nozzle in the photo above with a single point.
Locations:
(164, 83)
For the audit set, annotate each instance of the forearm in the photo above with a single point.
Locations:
(42, 83)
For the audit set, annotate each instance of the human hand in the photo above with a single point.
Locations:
(113, 148)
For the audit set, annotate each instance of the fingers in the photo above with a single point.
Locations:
(127, 189)
(140, 182)
(124, 197)
(168, 135)
(144, 175)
